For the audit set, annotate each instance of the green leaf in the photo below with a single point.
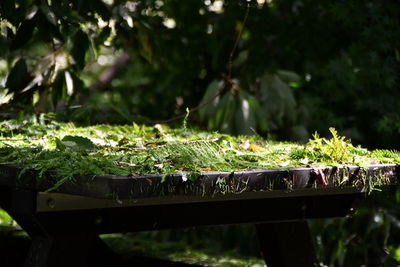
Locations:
(396, 254)
(103, 36)
(5, 218)
(221, 110)
(48, 13)
(69, 83)
(145, 42)
(100, 8)
(80, 47)
(398, 195)
(241, 58)
(278, 99)
(271, 100)
(288, 76)
(47, 26)
(60, 145)
(18, 76)
(58, 88)
(66, 84)
(228, 122)
(8, 10)
(24, 33)
(78, 142)
(260, 117)
(212, 90)
(64, 12)
(287, 98)
(79, 85)
(244, 116)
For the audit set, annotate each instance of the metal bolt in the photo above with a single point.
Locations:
(51, 203)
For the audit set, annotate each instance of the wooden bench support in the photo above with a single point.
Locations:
(70, 237)
(64, 227)
(286, 244)
(70, 250)
(17, 251)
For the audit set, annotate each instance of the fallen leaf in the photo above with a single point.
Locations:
(252, 147)
(256, 148)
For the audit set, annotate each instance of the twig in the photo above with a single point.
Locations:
(200, 141)
(194, 109)
(230, 62)
(161, 146)
(227, 78)
(16, 139)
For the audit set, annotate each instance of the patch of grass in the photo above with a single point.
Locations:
(179, 251)
(5, 219)
(198, 257)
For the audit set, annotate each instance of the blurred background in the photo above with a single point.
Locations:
(281, 69)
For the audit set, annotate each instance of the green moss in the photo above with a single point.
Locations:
(139, 150)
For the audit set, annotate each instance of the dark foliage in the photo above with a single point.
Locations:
(299, 66)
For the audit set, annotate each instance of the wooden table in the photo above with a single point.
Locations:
(64, 225)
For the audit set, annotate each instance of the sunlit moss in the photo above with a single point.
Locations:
(140, 150)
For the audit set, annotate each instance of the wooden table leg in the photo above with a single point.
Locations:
(286, 244)
(70, 250)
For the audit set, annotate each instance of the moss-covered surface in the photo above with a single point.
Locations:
(132, 150)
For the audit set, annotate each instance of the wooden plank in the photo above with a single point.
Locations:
(286, 244)
(153, 217)
(52, 202)
(208, 184)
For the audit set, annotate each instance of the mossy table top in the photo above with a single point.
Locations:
(134, 162)
(120, 191)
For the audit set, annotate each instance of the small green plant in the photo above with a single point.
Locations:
(185, 119)
(337, 149)
(334, 151)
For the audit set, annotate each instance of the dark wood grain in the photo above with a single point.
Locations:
(207, 184)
